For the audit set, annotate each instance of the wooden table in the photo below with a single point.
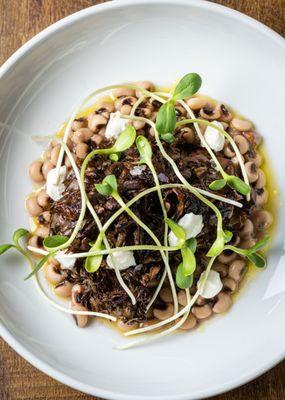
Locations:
(19, 21)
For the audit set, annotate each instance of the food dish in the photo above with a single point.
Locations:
(147, 202)
(44, 95)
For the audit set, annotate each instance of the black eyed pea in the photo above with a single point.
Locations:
(153, 116)
(189, 323)
(260, 196)
(225, 125)
(180, 111)
(196, 103)
(202, 312)
(76, 293)
(45, 217)
(43, 198)
(226, 116)
(261, 180)
(235, 160)
(53, 274)
(54, 154)
(210, 113)
(166, 295)
(123, 92)
(236, 270)
(81, 150)
(252, 171)
(188, 134)
(119, 103)
(34, 241)
(63, 289)
(97, 139)
(95, 121)
(82, 135)
(228, 150)
(247, 229)
(254, 157)
(182, 300)
(247, 243)
(262, 220)
(147, 85)
(33, 207)
(126, 109)
(124, 327)
(47, 166)
(163, 314)
(200, 301)
(103, 106)
(223, 303)
(229, 285)
(138, 125)
(221, 268)
(241, 143)
(78, 124)
(226, 257)
(35, 172)
(241, 124)
(81, 320)
(42, 232)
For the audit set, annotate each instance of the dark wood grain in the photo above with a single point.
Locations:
(19, 21)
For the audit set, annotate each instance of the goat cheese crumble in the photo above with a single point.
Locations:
(122, 260)
(54, 182)
(115, 126)
(193, 225)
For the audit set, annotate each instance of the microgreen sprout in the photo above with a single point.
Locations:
(187, 86)
(241, 186)
(252, 253)
(17, 235)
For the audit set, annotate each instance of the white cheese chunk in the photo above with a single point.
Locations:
(115, 126)
(214, 138)
(193, 225)
(65, 262)
(122, 260)
(54, 183)
(213, 285)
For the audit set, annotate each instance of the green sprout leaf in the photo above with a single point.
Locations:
(54, 241)
(166, 118)
(18, 234)
(39, 265)
(218, 184)
(5, 247)
(144, 148)
(92, 263)
(192, 244)
(182, 281)
(189, 261)
(187, 86)
(217, 246)
(125, 140)
(178, 231)
(227, 236)
(257, 260)
(239, 185)
(104, 189)
(259, 245)
(168, 138)
(111, 181)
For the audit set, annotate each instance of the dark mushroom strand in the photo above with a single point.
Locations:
(101, 291)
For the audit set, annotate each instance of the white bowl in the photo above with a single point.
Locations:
(242, 63)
